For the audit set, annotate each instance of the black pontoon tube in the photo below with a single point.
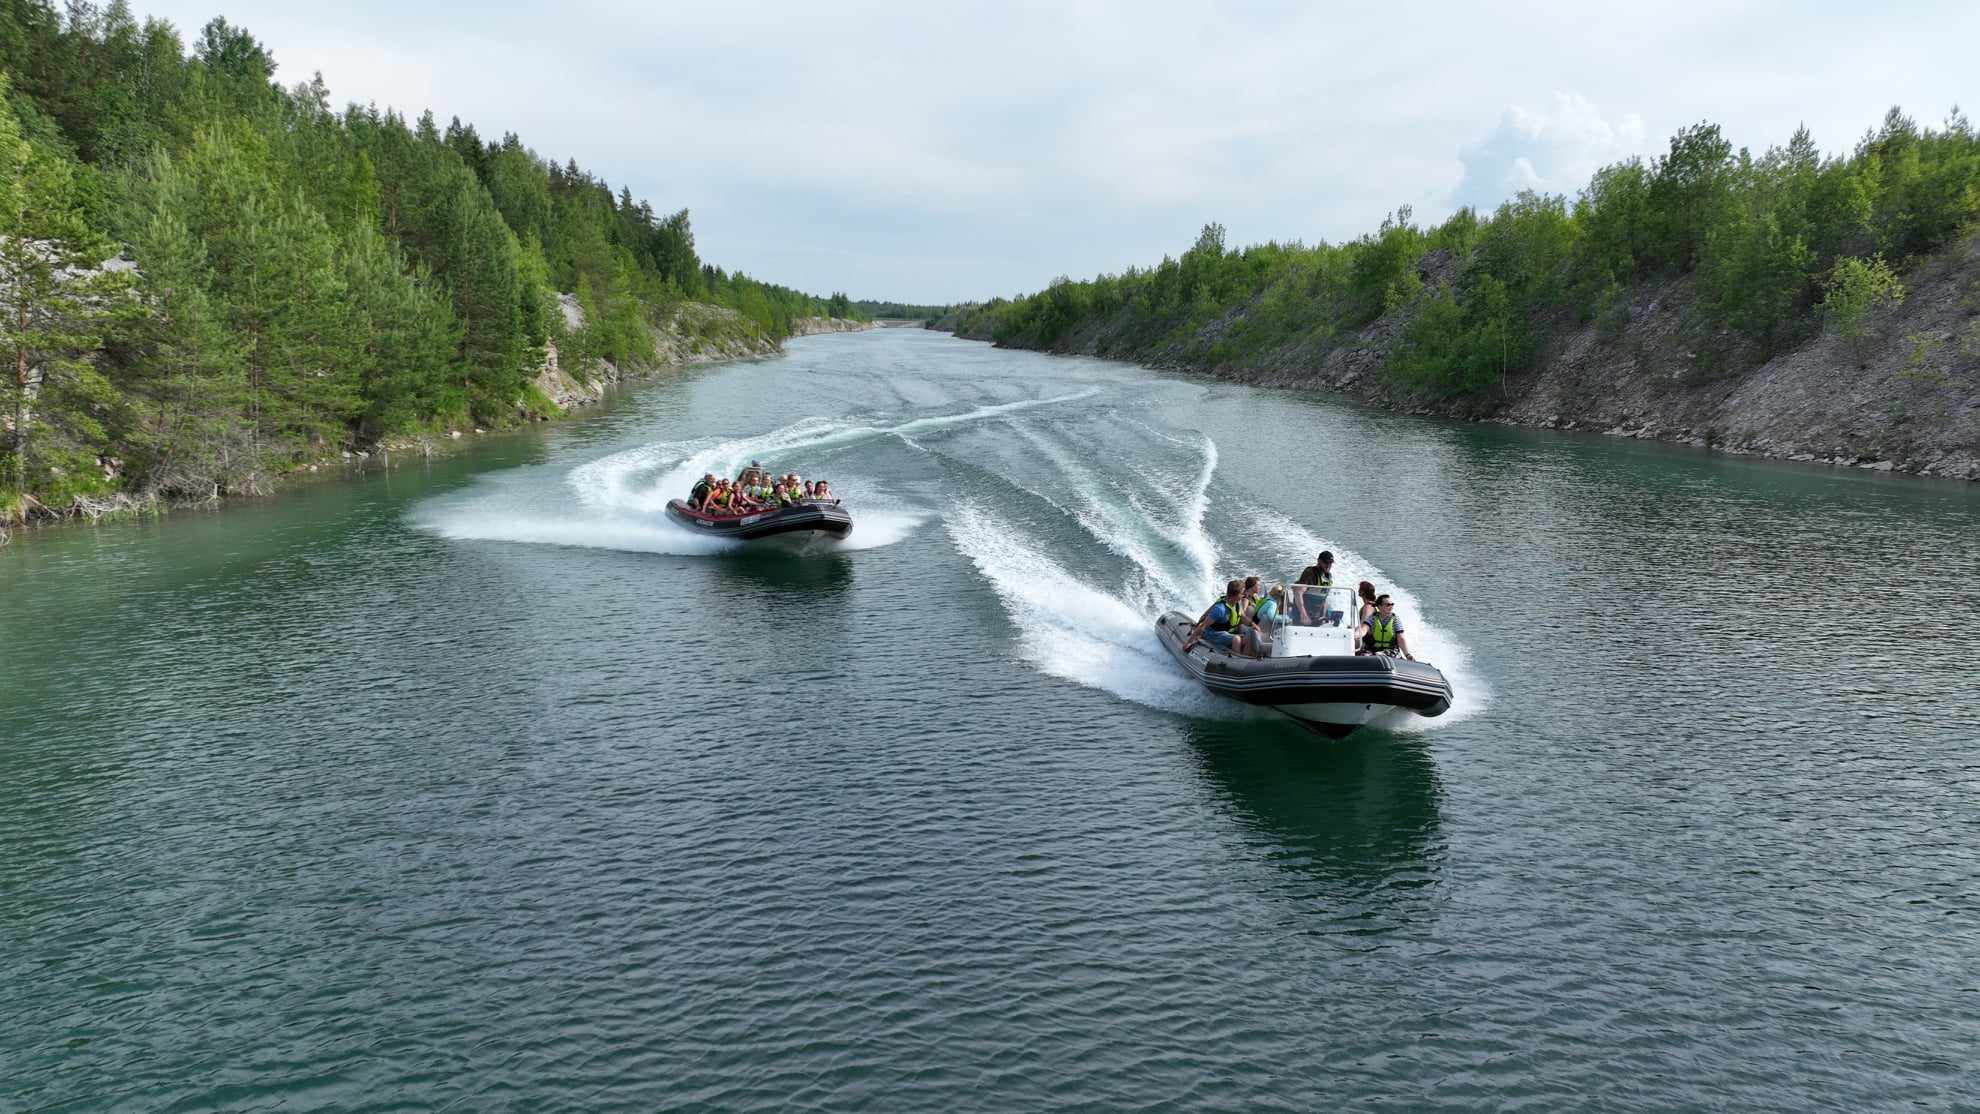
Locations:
(828, 519)
(1331, 694)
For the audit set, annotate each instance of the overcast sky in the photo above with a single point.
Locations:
(933, 152)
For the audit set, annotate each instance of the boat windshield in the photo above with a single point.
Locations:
(1307, 606)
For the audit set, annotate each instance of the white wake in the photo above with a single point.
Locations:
(621, 499)
(1102, 635)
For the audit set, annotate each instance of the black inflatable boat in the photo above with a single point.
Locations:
(1313, 675)
(803, 524)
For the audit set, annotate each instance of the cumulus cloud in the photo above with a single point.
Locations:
(1551, 150)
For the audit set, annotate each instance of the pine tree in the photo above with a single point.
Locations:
(57, 305)
(185, 389)
(406, 337)
(480, 266)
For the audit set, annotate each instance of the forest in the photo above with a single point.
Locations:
(899, 310)
(1774, 247)
(208, 279)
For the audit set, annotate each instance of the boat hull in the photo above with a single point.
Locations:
(801, 527)
(1331, 695)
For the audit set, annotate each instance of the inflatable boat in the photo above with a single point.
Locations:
(1311, 672)
(802, 525)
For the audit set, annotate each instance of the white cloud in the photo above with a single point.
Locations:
(1552, 150)
(960, 150)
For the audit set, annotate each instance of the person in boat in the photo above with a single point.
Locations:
(822, 492)
(1266, 618)
(717, 499)
(1311, 607)
(699, 495)
(1382, 633)
(788, 494)
(1366, 592)
(1222, 625)
(1251, 597)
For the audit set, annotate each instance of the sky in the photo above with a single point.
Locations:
(950, 152)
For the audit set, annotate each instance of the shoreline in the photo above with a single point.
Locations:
(1962, 468)
(1900, 393)
(350, 463)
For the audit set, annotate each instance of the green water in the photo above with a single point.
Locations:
(475, 785)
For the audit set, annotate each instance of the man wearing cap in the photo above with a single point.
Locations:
(1308, 607)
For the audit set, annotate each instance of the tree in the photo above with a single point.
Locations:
(1754, 276)
(184, 390)
(1687, 192)
(407, 338)
(1856, 288)
(57, 302)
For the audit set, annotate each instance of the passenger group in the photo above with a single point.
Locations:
(1243, 620)
(756, 490)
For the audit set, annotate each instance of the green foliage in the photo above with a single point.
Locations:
(1755, 276)
(188, 372)
(55, 308)
(1475, 299)
(306, 278)
(1856, 288)
(868, 310)
(1688, 192)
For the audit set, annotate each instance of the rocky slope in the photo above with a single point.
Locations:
(696, 333)
(1906, 399)
(811, 326)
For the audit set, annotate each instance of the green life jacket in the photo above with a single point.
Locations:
(1381, 635)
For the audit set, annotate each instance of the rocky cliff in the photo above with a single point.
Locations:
(810, 326)
(1905, 398)
(694, 333)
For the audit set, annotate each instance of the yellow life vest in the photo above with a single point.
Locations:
(1381, 635)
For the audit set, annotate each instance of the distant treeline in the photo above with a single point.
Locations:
(304, 277)
(898, 309)
(1777, 245)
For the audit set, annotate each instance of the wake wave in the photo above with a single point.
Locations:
(646, 478)
(1103, 635)
(1075, 630)
(624, 496)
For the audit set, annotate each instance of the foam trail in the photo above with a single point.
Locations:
(501, 510)
(1195, 539)
(1295, 546)
(625, 494)
(880, 519)
(646, 478)
(1109, 517)
(1122, 520)
(469, 524)
(1074, 630)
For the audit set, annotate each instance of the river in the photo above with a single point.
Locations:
(475, 784)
